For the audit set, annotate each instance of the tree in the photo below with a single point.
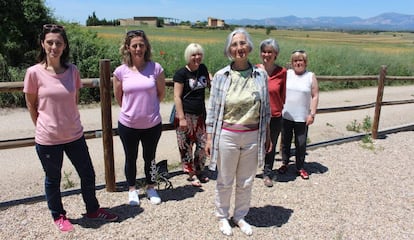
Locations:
(20, 25)
(95, 21)
(92, 20)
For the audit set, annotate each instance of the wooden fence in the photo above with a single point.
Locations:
(104, 83)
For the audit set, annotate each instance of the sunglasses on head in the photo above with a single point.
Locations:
(298, 51)
(52, 27)
(135, 33)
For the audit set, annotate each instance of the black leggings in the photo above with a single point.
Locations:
(300, 130)
(275, 128)
(149, 138)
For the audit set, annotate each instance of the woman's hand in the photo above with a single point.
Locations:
(268, 145)
(182, 124)
(310, 119)
(207, 148)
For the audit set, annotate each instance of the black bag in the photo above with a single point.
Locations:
(172, 115)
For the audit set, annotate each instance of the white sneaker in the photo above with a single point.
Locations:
(225, 227)
(133, 198)
(153, 196)
(244, 227)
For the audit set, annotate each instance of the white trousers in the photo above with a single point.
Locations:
(237, 159)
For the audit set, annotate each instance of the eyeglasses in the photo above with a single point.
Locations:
(52, 27)
(135, 33)
(298, 51)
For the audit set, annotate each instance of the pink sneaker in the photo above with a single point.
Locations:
(101, 214)
(63, 224)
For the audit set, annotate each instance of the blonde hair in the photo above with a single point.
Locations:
(299, 54)
(191, 49)
(126, 55)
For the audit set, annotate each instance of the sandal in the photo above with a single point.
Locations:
(283, 169)
(188, 167)
(194, 181)
(202, 178)
(268, 181)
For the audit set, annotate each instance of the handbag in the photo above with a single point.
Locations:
(172, 114)
(173, 110)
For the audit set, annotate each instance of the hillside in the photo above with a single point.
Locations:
(382, 22)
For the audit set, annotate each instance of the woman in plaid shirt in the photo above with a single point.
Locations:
(237, 126)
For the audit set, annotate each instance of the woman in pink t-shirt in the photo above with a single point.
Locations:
(51, 90)
(139, 87)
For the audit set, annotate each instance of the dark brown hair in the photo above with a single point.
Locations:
(54, 28)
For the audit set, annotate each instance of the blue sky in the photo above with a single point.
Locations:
(193, 10)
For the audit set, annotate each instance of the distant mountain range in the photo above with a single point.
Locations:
(382, 22)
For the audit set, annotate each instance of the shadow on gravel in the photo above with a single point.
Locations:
(310, 167)
(268, 216)
(123, 211)
(179, 193)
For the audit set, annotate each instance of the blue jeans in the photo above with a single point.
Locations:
(130, 138)
(51, 157)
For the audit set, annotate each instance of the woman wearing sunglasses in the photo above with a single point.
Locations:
(302, 96)
(139, 87)
(51, 90)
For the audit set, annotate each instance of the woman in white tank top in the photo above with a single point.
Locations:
(302, 96)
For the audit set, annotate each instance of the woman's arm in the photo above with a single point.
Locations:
(161, 86)
(31, 103)
(117, 85)
(178, 92)
(314, 100)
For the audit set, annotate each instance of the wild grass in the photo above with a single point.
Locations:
(330, 53)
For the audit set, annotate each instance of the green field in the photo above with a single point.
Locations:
(330, 53)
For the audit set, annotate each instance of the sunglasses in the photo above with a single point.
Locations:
(52, 27)
(298, 51)
(135, 33)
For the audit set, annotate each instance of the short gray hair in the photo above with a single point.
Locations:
(270, 42)
(230, 37)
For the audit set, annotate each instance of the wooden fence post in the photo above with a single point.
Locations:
(106, 114)
(378, 103)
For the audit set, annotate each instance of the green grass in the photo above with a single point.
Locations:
(330, 53)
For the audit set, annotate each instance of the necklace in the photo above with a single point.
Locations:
(196, 74)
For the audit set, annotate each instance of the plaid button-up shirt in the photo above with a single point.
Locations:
(215, 110)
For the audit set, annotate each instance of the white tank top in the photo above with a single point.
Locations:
(298, 96)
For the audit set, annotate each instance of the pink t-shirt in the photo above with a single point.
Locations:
(59, 119)
(140, 103)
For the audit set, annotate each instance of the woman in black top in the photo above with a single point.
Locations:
(190, 83)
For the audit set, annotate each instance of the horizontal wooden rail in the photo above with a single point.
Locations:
(26, 142)
(86, 82)
(94, 82)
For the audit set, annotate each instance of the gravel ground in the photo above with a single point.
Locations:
(354, 191)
